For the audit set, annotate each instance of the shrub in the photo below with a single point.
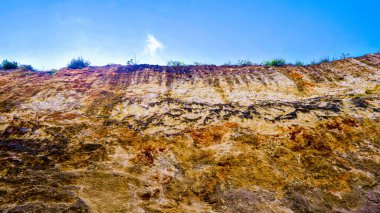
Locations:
(299, 63)
(78, 63)
(324, 60)
(202, 64)
(52, 72)
(8, 65)
(313, 62)
(244, 63)
(228, 64)
(27, 67)
(275, 63)
(132, 61)
(344, 55)
(175, 63)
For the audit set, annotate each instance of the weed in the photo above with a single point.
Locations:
(244, 63)
(51, 72)
(132, 61)
(27, 67)
(275, 63)
(198, 63)
(175, 63)
(324, 60)
(78, 63)
(299, 63)
(228, 64)
(344, 55)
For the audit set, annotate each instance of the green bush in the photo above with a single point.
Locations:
(175, 63)
(78, 63)
(299, 63)
(8, 65)
(275, 63)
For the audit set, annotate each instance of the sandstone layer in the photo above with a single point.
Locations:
(192, 139)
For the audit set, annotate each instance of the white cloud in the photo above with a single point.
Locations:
(152, 45)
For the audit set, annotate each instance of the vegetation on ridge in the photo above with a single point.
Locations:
(8, 65)
(245, 62)
(27, 67)
(78, 63)
(175, 63)
(275, 62)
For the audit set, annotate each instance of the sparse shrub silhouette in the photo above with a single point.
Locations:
(78, 63)
(299, 63)
(8, 65)
(202, 64)
(324, 60)
(175, 63)
(132, 62)
(344, 55)
(244, 63)
(27, 67)
(275, 63)
(313, 62)
(52, 72)
(228, 64)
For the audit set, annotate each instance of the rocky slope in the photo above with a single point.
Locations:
(192, 139)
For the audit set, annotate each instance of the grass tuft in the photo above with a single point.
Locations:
(275, 63)
(175, 63)
(78, 63)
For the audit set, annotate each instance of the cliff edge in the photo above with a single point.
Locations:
(147, 138)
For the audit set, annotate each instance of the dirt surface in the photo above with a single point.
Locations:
(150, 138)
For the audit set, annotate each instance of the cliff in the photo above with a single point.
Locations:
(149, 138)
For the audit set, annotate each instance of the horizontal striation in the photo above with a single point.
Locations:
(148, 138)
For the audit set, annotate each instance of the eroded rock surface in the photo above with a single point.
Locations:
(192, 139)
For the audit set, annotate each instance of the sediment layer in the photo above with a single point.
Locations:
(192, 139)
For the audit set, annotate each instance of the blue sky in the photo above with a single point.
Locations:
(48, 33)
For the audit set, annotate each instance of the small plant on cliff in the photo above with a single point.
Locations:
(275, 63)
(299, 63)
(132, 62)
(228, 64)
(175, 63)
(344, 55)
(8, 65)
(27, 67)
(78, 63)
(324, 60)
(196, 63)
(244, 63)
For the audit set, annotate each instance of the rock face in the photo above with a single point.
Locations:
(192, 139)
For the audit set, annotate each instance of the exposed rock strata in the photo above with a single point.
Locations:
(192, 139)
